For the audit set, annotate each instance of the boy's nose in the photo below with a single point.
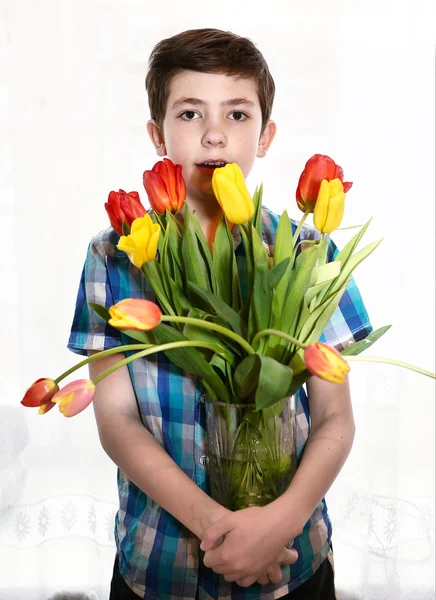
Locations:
(214, 138)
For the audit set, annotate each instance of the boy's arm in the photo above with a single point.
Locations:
(132, 447)
(272, 526)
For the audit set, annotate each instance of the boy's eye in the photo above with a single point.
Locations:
(188, 115)
(239, 116)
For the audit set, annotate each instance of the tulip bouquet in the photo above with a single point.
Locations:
(251, 334)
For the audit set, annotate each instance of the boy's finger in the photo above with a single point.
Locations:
(214, 535)
(275, 574)
(288, 557)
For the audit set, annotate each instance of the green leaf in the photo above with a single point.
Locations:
(321, 276)
(126, 228)
(276, 273)
(152, 271)
(298, 286)
(222, 259)
(195, 333)
(350, 265)
(214, 305)
(264, 377)
(102, 311)
(261, 300)
(256, 219)
(344, 255)
(194, 266)
(311, 328)
(283, 241)
(174, 240)
(191, 360)
(327, 272)
(245, 310)
(358, 347)
(181, 303)
(205, 252)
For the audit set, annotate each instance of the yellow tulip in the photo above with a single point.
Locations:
(141, 244)
(232, 194)
(329, 207)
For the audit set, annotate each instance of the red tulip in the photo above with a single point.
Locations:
(326, 362)
(75, 397)
(122, 206)
(317, 168)
(135, 313)
(165, 187)
(40, 394)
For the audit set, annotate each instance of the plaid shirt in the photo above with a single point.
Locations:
(160, 559)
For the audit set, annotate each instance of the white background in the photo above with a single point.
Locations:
(354, 81)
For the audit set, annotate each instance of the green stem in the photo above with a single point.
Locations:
(208, 325)
(300, 225)
(102, 354)
(280, 334)
(391, 361)
(159, 348)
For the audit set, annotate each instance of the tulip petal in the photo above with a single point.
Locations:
(335, 213)
(74, 397)
(113, 209)
(326, 362)
(322, 205)
(232, 194)
(141, 244)
(135, 313)
(40, 392)
(44, 408)
(131, 206)
(156, 191)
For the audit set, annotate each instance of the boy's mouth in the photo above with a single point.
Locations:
(209, 166)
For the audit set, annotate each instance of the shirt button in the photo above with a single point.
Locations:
(204, 460)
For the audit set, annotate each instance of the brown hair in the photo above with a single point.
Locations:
(206, 51)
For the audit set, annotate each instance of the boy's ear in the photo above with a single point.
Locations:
(266, 138)
(156, 137)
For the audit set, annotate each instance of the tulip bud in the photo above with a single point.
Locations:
(326, 362)
(122, 206)
(135, 313)
(317, 168)
(329, 207)
(40, 393)
(229, 187)
(74, 397)
(141, 244)
(165, 187)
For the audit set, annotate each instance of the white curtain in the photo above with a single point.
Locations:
(355, 81)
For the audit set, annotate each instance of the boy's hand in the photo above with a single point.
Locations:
(253, 547)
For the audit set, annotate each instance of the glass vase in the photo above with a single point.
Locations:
(252, 455)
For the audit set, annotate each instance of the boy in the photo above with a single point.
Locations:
(210, 94)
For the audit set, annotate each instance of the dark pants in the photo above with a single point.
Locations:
(319, 587)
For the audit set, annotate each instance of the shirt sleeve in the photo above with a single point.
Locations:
(89, 331)
(350, 321)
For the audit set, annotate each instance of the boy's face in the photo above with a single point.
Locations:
(211, 117)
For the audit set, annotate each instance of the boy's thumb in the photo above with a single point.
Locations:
(288, 557)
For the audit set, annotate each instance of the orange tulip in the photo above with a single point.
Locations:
(317, 168)
(165, 187)
(122, 206)
(135, 313)
(326, 362)
(40, 393)
(75, 397)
